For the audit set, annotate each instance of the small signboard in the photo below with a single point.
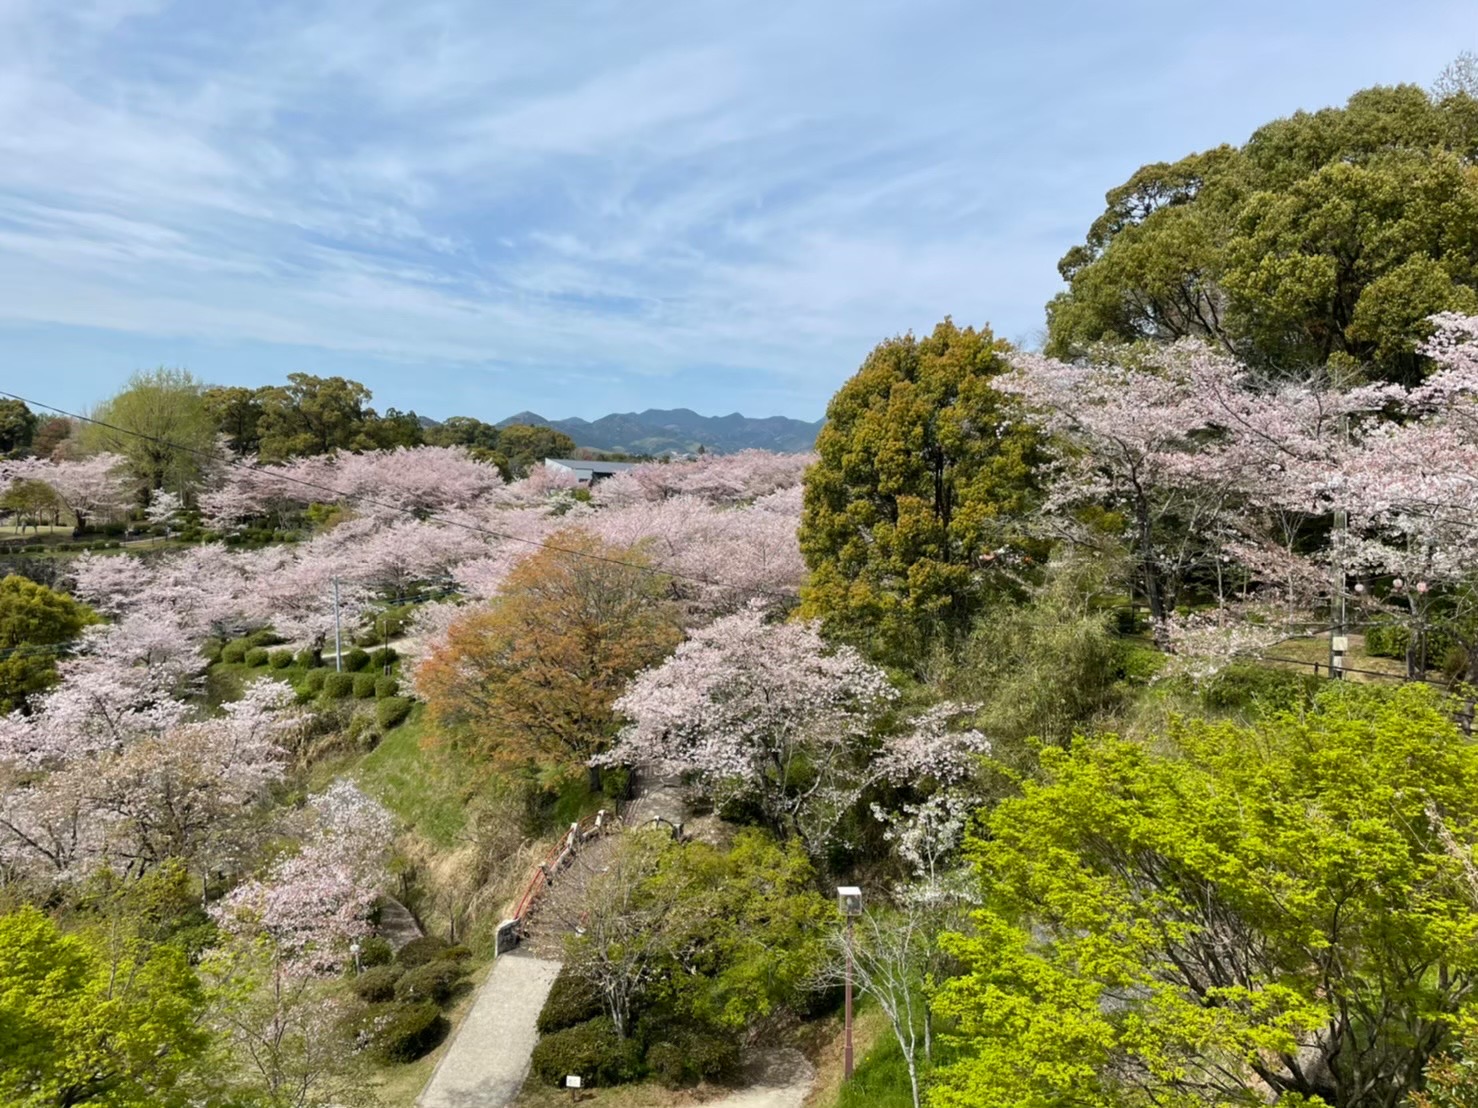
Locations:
(1341, 644)
(572, 1082)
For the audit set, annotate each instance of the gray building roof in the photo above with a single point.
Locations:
(588, 470)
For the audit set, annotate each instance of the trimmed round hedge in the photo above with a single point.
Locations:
(419, 952)
(313, 680)
(364, 686)
(336, 686)
(391, 711)
(405, 1032)
(571, 1001)
(257, 656)
(434, 981)
(280, 659)
(377, 984)
(234, 651)
(592, 1050)
(386, 686)
(355, 660)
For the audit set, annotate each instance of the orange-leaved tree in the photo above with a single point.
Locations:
(531, 677)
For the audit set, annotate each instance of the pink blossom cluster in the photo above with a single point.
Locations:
(314, 903)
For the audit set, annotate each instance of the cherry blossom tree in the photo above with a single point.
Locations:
(763, 713)
(311, 905)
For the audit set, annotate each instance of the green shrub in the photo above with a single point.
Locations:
(572, 1000)
(364, 686)
(1390, 640)
(592, 1050)
(386, 686)
(264, 636)
(211, 649)
(313, 680)
(355, 660)
(418, 952)
(257, 656)
(1244, 685)
(1137, 664)
(363, 732)
(280, 659)
(376, 984)
(616, 782)
(234, 651)
(375, 951)
(336, 686)
(307, 659)
(435, 981)
(391, 711)
(380, 659)
(456, 953)
(687, 1056)
(405, 1032)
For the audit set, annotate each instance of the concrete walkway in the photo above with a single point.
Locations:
(776, 1078)
(485, 1065)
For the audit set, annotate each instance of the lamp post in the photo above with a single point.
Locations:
(354, 949)
(849, 900)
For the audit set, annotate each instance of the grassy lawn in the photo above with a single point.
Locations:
(415, 786)
(1316, 649)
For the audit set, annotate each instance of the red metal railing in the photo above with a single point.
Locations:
(543, 874)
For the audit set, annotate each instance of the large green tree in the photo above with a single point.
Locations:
(912, 510)
(236, 412)
(1234, 915)
(35, 622)
(161, 425)
(94, 1018)
(1329, 235)
(17, 426)
(522, 445)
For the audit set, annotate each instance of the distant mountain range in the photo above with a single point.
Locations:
(655, 431)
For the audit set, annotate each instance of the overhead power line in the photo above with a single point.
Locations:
(428, 516)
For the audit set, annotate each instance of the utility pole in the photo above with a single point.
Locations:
(1338, 631)
(338, 639)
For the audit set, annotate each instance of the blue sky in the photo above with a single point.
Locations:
(581, 207)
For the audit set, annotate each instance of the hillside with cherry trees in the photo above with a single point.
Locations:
(1100, 715)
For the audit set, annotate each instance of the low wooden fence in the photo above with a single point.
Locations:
(510, 931)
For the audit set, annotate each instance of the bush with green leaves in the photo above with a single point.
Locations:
(306, 659)
(211, 649)
(383, 658)
(682, 1056)
(405, 1032)
(364, 686)
(375, 951)
(434, 981)
(336, 686)
(1249, 687)
(592, 1051)
(422, 951)
(377, 983)
(257, 656)
(313, 680)
(362, 731)
(263, 637)
(386, 686)
(355, 660)
(391, 711)
(234, 651)
(571, 1000)
(280, 659)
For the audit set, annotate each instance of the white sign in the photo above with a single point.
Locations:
(1341, 644)
(572, 1082)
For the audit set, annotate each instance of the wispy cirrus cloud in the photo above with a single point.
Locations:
(592, 204)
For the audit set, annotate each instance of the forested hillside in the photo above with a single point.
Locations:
(1129, 683)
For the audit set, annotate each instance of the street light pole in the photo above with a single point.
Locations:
(849, 900)
(847, 1055)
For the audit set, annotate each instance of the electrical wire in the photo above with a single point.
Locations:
(341, 494)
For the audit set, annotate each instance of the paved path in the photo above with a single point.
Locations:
(776, 1078)
(485, 1065)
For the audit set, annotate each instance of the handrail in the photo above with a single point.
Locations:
(542, 875)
